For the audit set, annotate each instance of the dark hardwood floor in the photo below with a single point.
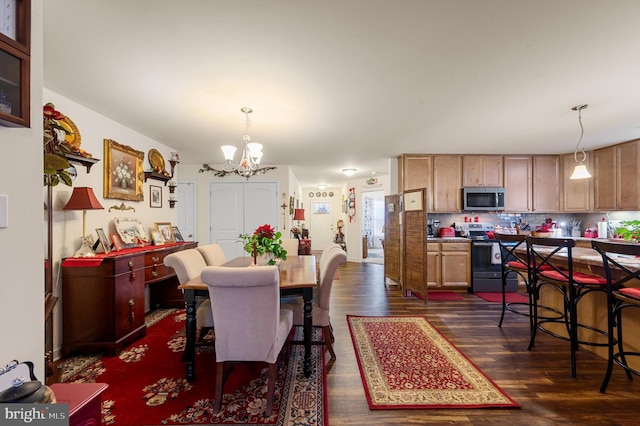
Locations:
(539, 380)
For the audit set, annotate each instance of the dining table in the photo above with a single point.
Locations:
(297, 277)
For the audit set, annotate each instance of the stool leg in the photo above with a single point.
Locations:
(504, 299)
(610, 319)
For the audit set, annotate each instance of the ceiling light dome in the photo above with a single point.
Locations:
(349, 172)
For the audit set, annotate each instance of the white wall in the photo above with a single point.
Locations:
(21, 262)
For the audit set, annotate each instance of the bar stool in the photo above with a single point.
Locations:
(619, 270)
(554, 254)
(514, 263)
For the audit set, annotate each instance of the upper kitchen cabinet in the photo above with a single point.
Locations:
(547, 183)
(517, 183)
(15, 57)
(415, 172)
(482, 170)
(578, 193)
(617, 171)
(447, 180)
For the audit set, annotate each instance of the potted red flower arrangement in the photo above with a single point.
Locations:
(265, 242)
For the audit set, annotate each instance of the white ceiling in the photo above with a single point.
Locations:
(351, 83)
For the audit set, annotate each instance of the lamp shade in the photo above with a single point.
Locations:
(298, 214)
(580, 172)
(83, 198)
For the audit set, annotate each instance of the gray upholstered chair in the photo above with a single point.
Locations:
(291, 246)
(188, 264)
(321, 301)
(213, 254)
(250, 326)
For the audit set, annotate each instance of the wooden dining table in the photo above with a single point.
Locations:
(297, 276)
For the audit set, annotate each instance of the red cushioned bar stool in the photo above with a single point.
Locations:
(621, 263)
(552, 267)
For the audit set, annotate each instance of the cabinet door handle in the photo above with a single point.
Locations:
(132, 315)
(154, 259)
(154, 273)
(131, 264)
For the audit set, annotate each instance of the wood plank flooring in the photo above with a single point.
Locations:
(539, 380)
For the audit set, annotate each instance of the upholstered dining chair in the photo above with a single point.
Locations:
(250, 325)
(291, 246)
(187, 265)
(322, 300)
(213, 254)
(621, 263)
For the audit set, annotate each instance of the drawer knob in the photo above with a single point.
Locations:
(131, 264)
(154, 259)
(132, 302)
(154, 273)
(132, 315)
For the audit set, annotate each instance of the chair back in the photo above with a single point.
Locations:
(336, 257)
(619, 268)
(324, 258)
(186, 263)
(511, 256)
(213, 254)
(291, 246)
(544, 253)
(246, 312)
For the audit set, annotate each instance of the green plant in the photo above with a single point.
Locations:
(55, 148)
(264, 240)
(629, 229)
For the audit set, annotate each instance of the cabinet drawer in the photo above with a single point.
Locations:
(455, 246)
(157, 272)
(128, 264)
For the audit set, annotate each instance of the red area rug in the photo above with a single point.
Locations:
(406, 363)
(147, 384)
(497, 297)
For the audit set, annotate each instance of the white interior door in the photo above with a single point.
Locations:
(186, 207)
(238, 208)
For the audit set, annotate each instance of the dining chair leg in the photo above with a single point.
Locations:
(270, 388)
(327, 336)
(218, 392)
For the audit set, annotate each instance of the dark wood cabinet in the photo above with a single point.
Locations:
(15, 65)
(104, 297)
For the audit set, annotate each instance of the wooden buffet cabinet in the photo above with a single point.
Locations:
(104, 296)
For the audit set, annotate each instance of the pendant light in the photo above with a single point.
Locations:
(580, 171)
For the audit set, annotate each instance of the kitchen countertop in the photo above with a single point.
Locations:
(447, 240)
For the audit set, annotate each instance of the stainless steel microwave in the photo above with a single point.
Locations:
(483, 198)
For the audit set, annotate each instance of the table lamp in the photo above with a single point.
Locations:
(83, 198)
(298, 214)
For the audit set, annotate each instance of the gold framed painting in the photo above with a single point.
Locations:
(123, 174)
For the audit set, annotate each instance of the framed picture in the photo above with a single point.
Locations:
(165, 229)
(321, 207)
(157, 239)
(104, 241)
(155, 196)
(413, 201)
(177, 235)
(123, 174)
(117, 242)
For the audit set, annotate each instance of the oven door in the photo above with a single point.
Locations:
(486, 268)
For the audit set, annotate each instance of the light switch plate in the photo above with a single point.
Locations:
(4, 211)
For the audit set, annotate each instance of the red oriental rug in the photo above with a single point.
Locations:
(406, 363)
(497, 297)
(147, 384)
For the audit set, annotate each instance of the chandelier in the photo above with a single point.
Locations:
(249, 164)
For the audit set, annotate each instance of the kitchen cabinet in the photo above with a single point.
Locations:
(447, 183)
(414, 243)
(517, 182)
(449, 265)
(627, 175)
(547, 183)
(577, 195)
(415, 172)
(104, 296)
(604, 178)
(616, 174)
(482, 170)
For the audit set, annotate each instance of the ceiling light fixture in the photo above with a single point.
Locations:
(349, 172)
(580, 171)
(322, 187)
(249, 164)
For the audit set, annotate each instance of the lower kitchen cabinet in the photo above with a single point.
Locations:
(103, 297)
(448, 265)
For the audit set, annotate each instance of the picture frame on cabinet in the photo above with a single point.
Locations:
(104, 241)
(155, 196)
(123, 174)
(117, 242)
(157, 239)
(166, 230)
(177, 235)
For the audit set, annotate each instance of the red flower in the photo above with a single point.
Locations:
(264, 231)
(51, 113)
